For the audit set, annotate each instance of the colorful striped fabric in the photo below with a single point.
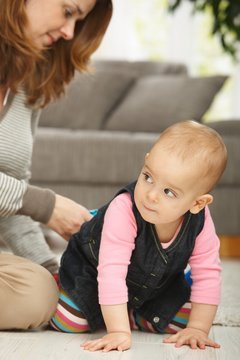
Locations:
(69, 318)
(179, 321)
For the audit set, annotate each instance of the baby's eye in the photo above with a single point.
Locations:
(169, 193)
(148, 178)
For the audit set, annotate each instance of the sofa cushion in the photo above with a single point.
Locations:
(226, 127)
(87, 101)
(155, 102)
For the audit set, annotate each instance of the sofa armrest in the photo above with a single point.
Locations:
(226, 127)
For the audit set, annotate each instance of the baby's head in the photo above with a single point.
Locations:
(180, 170)
(199, 146)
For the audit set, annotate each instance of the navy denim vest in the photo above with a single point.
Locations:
(156, 284)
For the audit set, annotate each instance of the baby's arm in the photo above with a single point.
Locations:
(117, 244)
(118, 330)
(205, 292)
(196, 333)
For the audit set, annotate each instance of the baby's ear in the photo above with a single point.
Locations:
(146, 156)
(201, 202)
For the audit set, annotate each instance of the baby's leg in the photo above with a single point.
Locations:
(25, 238)
(137, 322)
(68, 317)
(179, 321)
(28, 293)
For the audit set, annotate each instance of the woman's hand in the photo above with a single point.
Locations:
(193, 337)
(67, 217)
(112, 341)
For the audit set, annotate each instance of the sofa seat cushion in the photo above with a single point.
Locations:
(103, 157)
(62, 155)
(155, 102)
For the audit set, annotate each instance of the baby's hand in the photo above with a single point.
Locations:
(192, 337)
(113, 341)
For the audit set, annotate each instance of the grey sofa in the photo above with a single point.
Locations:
(93, 140)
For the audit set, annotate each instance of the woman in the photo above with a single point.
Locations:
(42, 42)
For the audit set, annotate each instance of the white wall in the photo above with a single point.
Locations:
(180, 32)
(120, 41)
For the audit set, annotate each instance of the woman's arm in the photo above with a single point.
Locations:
(59, 213)
(11, 194)
(67, 217)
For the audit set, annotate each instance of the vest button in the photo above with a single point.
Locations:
(156, 319)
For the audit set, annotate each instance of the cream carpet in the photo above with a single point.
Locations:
(228, 313)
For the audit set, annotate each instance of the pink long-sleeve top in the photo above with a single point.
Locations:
(118, 242)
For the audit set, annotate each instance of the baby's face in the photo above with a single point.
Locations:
(167, 187)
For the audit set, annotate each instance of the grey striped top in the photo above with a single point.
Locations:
(18, 123)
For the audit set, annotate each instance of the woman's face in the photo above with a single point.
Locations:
(50, 20)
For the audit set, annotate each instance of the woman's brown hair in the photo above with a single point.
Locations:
(45, 74)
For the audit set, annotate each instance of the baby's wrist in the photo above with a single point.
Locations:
(197, 328)
(119, 332)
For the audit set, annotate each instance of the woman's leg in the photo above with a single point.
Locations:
(28, 293)
(25, 238)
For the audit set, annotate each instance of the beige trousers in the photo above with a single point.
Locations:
(28, 293)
